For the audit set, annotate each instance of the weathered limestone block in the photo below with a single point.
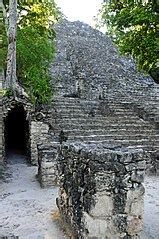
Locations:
(38, 134)
(47, 164)
(100, 196)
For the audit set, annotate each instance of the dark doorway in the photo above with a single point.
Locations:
(17, 131)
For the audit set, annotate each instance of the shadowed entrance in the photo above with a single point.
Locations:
(16, 131)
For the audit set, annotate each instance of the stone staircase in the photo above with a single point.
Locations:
(93, 122)
(87, 58)
(102, 115)
(144, 101)
(102, 122)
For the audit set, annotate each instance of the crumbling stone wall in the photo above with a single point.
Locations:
(9, 103)
(47, 164)
(101, 191)
(39, 132)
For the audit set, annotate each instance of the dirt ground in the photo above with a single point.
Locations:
(25, 208)
(151, 208)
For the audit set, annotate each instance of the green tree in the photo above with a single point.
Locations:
(35, 46)
(134, 26)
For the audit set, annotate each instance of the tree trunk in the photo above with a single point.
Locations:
(11, 78)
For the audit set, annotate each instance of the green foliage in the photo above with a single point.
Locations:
(39, 15)
(134, 26)
(34, 53)
(35, 47)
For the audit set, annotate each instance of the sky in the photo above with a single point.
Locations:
(83, 10)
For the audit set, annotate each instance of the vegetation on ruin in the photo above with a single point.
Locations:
(134, 27)
(35, 46)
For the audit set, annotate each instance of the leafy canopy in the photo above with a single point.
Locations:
(134, 26)
(35, 46)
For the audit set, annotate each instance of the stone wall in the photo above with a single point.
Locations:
(38, 130)
(101, 191)
(47, 164)
(39, 133)
(9, 103)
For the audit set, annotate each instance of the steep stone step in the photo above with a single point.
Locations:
(93, 117)
(123, 112)
(75, 106)
(109, 131)
(121, 142)
(104, 121)
(69, 106)
(75, 102)
(113, 135)
(72, 99)
(74, 116)
(75, 125)
(74, 112)
(116, 107)
(109, 137)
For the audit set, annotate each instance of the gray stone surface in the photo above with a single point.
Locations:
(88, 62)
(47, 164)
(39, 133)
(98, 197)
(99, 97)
